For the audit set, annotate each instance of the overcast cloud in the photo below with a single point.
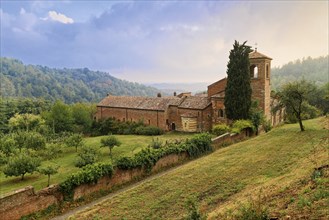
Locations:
(161, 41)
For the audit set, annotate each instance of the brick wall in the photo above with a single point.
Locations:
(261, 87)
(204, 120)
(217, 87)
(150, 117)
(227, 138)
(26, 201)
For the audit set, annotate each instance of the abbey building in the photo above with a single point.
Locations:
(185, 112)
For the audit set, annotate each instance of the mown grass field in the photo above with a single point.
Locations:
(273, 169)
(131, 144)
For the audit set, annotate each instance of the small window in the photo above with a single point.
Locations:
(149, 121)
(267, 72)
(221, 113)
(253, 71)
(123, 119)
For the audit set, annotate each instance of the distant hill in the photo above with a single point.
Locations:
(69, 85)
(310, 69)
(181, 87)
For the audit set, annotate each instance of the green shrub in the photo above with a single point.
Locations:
(146, 158)
(89, 174)
(155, 144)
(267, 126)
(220, 129)
(87, 155)
(149, 130)
(199, 144)
(252, 211)
(126, 163)
(239, 125)
(194, 213)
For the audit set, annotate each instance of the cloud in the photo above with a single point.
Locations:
(163, 41)
(54, 16)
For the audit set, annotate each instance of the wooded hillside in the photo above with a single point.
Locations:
(69, 85)
(311, 69)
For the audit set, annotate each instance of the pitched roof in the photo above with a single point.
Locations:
(147, 103)
(256, 55)
(195, 102)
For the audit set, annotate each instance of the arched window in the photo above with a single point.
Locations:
(253, 71)
(221, 113)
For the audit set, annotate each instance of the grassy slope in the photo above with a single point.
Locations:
(130, 144)
(272, 163)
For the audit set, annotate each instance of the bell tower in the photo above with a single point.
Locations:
(260, 76)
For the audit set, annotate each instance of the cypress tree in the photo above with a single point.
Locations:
(238, 89)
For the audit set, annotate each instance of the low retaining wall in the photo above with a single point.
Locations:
(227, 138)
(26, 201)
(125, 176)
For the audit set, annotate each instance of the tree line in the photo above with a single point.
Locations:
(68, 85)
(310, 69)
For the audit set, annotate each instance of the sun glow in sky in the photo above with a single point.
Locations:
(160, 41)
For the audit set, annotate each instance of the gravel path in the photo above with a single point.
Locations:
(111, 195)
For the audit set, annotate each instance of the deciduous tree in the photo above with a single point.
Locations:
(110, 142)
(48, 170)
(21, 164)
(294, 96)
(75, 140)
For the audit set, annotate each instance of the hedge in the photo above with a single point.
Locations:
(196, 146)
(89, 174)
(199, 144)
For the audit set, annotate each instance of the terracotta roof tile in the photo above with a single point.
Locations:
(256, 55)
(149, 103)
(195, 102)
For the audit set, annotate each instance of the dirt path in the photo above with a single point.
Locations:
(111, 195)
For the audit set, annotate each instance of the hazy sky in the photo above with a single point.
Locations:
(160, 41)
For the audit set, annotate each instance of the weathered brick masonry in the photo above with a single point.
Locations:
(192, 113)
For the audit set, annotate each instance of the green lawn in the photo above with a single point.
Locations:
(267, 165)
(131, 144)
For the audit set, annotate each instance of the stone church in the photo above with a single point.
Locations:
(185, 112)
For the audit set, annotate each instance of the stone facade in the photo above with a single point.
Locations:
(192, 113)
